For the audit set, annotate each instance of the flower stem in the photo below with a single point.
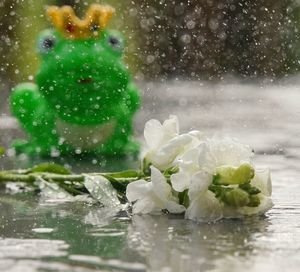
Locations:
(29, 178)
(118, 181)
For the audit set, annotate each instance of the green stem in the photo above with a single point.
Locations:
(6, 176)
(119, 183)
(29, 178)
(71, 189)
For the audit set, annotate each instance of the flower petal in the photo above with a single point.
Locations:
(102, 190)
(137, 190)
(230, 152)
(262, 180)
(191, 155)
(180, 181)
(153, 133)
(265, 205)
(171, 126)
(206, 158)
(165, 156)
(147, 205)
(160, 186)
(205, 208)
(199, 184)
(174, 207)
(197, 135)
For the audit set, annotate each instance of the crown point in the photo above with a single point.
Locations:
(68, 24)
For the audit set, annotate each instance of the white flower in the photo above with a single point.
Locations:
(197, 168)
(188, 166)
(215, 176)
(153, 196)
(216, 153)
(204, 206)
(261, 180)
(207, 157)
(165, 144)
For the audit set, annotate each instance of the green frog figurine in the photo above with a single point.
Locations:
(83, 99)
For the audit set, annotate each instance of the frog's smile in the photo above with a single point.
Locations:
(85, 80)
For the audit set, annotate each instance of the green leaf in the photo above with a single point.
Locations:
(184, 198)
(50, 168)
(219, 190)
(119, 185)
(125, 174)
(145, 167)
(251, 190)
(2, 150)
(171, 170)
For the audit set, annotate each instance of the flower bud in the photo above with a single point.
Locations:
(236, 198)
(254, 201)
(227, 175)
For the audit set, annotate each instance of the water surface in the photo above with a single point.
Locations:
(37, 235)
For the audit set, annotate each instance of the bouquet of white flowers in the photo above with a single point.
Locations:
(205, 178)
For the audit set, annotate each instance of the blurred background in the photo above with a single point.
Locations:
(198, 39)
(191, 39)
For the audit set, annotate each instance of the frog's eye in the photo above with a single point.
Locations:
(46, 44)
(115, 43)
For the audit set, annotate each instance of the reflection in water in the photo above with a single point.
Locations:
(31, 248)
(88, 238)
(91, 238)
(78, 164)
(258, 263)
(182, 245)
(41, 266)
(15, 254)
(100, 217)
(109, 264)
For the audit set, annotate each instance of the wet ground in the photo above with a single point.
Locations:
(41, 236)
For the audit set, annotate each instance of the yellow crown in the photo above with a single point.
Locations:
(69, 25)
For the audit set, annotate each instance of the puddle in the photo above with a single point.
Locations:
(72, 236)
